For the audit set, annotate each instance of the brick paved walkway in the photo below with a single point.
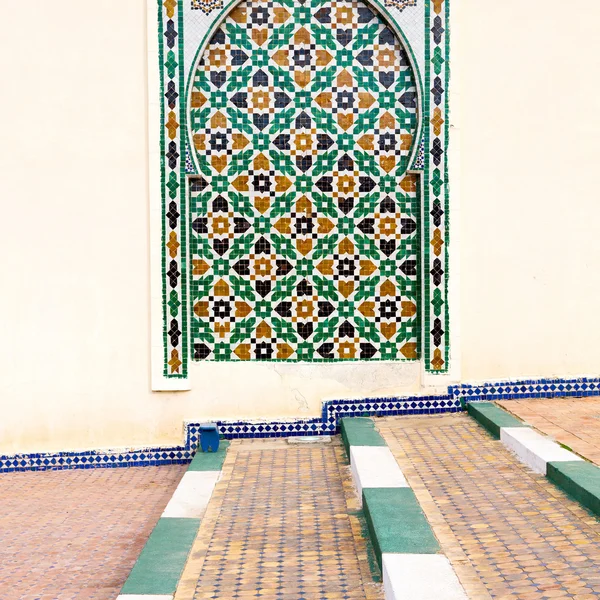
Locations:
(76, 534)
(510, 533)
(574, 422)
(279, 527)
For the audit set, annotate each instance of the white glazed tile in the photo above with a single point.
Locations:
(534, 449)
(420, 577)
(145, 597)
(192, 495)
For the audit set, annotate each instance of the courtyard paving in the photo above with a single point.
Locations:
(284, 521)
(509, 533)
(574, 422)
(75, 534)
(281, 525)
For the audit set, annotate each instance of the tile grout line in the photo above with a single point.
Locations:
(568, 471)
(405, 545)
(159, 566)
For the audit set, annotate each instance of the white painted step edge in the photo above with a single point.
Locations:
(375, 467)
(192, 495)
(145, 597)
(420, 577)
(534, 449)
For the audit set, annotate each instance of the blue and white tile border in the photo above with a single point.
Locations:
(528, 388)
(326, 424)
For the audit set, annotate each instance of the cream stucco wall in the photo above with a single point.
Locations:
(75, 327)
(530, 206)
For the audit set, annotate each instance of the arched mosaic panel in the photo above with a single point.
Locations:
(304, 238)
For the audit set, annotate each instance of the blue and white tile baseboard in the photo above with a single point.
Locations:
(328, 423)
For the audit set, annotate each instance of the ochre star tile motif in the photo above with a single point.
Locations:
(304, 220)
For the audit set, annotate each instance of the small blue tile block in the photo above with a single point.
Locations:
(209, 437)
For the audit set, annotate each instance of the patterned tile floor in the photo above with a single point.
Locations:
(574, 422)
(280, 525)
(510, 533)
(76, 534)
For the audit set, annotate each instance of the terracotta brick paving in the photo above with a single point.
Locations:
(574, 422)
(280, 526)
(509, 532)
(77, 533)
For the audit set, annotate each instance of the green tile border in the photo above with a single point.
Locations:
(359, 431)
(580, 479)
(396, 522)
(159, 566)
(173, 194)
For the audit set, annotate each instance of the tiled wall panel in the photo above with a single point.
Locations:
(311, 138)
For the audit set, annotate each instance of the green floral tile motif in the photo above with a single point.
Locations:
(304, 221)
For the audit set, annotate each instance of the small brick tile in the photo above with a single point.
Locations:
(280, 526)
(76, 534)
(574, 422)
(504, 528)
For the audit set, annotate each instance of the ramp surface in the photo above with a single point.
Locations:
(508, 531)
(280, 526)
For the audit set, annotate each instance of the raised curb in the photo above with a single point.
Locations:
(375, 467)
(159, 566)
(146, 597)
(579, 478)
(396, 522)
(190, 499)
(533, 448)
(359, 431)
(492, 417)
(405, 546)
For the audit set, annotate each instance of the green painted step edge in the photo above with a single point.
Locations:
(159, 566)
(396, 522)
(492, 417)
(580, 479)
(359, 431)
(209, 461)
